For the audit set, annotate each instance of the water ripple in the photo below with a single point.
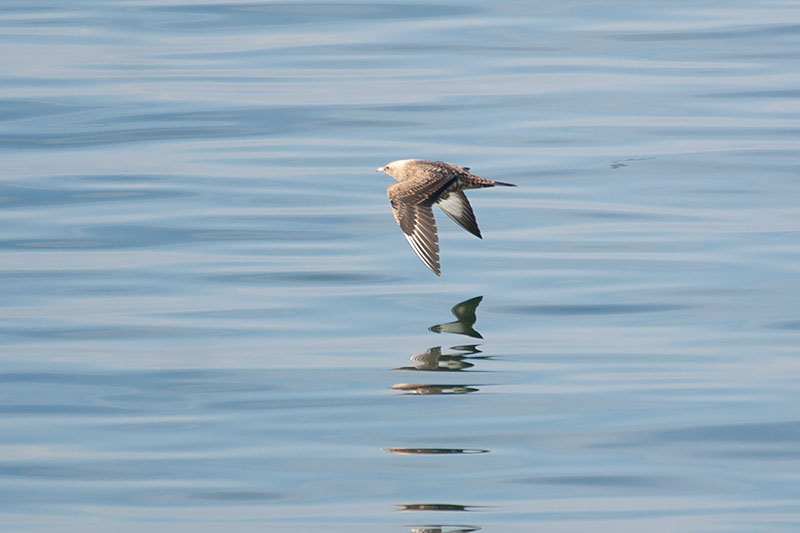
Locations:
(187, 189)
(590, 309)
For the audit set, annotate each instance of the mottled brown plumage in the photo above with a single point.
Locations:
(420, 185)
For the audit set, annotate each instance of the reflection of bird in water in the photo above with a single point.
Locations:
(465, 313)
(468, 349)
(443, 529)
(433, 507)
(430, 359)
(423, 183)
(423, 389)
(433, 451)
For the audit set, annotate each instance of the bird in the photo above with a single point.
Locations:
(422, 183)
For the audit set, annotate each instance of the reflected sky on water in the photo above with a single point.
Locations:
(209, 319)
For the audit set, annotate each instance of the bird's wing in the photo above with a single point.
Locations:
(457, 207)
(419, 227)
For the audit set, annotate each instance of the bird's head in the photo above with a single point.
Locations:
(396, 169)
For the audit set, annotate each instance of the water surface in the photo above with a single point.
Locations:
(209, 319)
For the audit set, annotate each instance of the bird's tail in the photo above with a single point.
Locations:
(477, 182)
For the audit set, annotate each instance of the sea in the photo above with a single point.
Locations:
(211, 322)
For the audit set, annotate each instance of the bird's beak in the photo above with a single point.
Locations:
(380, 169)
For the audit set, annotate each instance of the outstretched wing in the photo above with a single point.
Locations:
(412, 201)
(457, 207)
(419, 228)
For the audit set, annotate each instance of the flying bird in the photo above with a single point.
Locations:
(420, 184)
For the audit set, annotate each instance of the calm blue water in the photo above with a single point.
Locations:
(209, 320)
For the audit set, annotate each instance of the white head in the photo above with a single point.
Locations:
(396, 169)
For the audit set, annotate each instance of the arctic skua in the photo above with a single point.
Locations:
(420, 184)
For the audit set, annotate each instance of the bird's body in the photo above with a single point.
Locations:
(420, 184)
